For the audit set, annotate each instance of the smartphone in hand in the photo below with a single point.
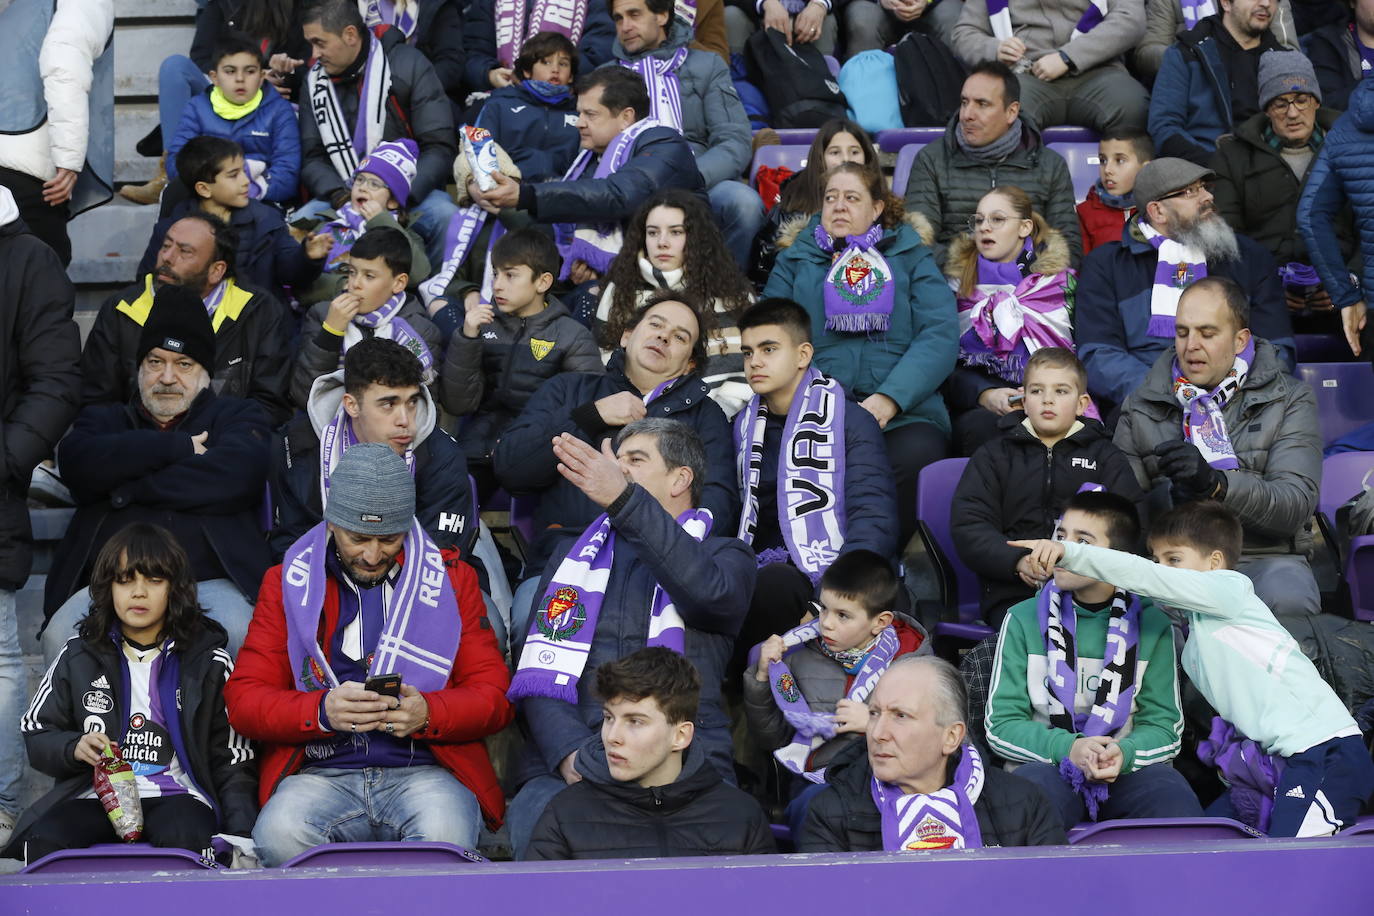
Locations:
(388, 685)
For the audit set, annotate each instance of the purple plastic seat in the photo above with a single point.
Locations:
(959, 587)
(1359, 575)
(1153, 830)
(1343, 476)
(833, 64)
(1069, 133)
(331, 855)
(901, 173)
(121, 857)
(892, 141)
(1363, 826)
(1322, 348)
(797, 136)
(522, 517)
(794, 157)
(1082, 161)
(1343, 395)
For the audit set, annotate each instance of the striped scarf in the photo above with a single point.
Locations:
(940, 820)
(346, 145)
(566, 17)
(387, 322)
(1194, 11)
(665, 89)
(999, 16)
(1176, 268)
(1203, 423)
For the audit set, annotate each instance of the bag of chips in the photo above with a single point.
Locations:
(480, 150)
(117, 789)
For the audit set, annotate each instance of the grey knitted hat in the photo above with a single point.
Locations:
(1286, 71)
(371, 491)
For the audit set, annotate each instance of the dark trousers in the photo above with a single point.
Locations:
(910, 448)
(1157, 790)
(47, 222)
(1322, 787)
(174, 821)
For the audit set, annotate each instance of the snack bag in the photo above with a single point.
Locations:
(480, 150)
(117, 789)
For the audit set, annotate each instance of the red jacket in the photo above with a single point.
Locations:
(1100, 223)
(264, 703)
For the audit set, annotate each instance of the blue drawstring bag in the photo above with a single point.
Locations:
(869, 81)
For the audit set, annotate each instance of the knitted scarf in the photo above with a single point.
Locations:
(387, 322)
(216, 296)
(1115, 688)
(1251, 774)
(597, 244)
(1194, 11)
(232, 111)
(383, 13)
(1203, 423)
(859, 292)
(345, 228)
(564, 625)
(1115, 201)
(999, 16)
(566, 17)
(811, 469)
(665, 89)
(941, 820)
(1177, 266)
(1010, 316)
(548, 93)
(462, 231)
(814, 729)
(337, 438)
(423, 627)
(995, 151)
(345, 144)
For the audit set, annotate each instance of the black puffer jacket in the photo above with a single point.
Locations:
(843, 818)
(1015, 488)
(439, 37)
(494, 375)
(40, 382)
(218, 760)
(601, 818)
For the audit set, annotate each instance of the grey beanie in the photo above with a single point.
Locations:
(371, 491)
(1286, 71)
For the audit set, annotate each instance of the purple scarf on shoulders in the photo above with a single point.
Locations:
(941, 820)
(1011, 315)
(665, 89)
(1252, 774)
(423, 627)
(859, 290)
(1115, 688)
(1204, 425)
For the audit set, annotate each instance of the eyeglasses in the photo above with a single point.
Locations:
(1302, 101)
(996, 221)
(1188, 193)
(367, 183)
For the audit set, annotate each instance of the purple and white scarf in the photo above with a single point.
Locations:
(387, 322)
(1251, 774)
(347, 144)
(1115, 688)
(345, 228)
(1203, 423)
(423, 626)
(941, 820)
(665, 89)
(384, 13)
(213, 300)
(1177, 267)
(1194, 11)
(564, 625)
(257, 177)
(597, 244)
(813, 728)
(337, 438)
(811, 469)
(463, 228)
(1009, 317)
(859, 291)
(566, 17)
(999, 17)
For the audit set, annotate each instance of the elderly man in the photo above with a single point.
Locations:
(920, 785)
(1128, 290)
(179, 456)
(1069, 54)
(249, 353)
(653, 569)
(1261, 170)
(370, 677)
(1220, 418)
(988, 144)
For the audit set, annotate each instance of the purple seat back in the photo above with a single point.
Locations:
(386, 854)
(120, 857)
(1154, 830)
(833, 64)
(797, 136)
(1343, 476)
(794, 157)
(934, 496)
(892, 141)
(1343, 395)
(1363, 826)
(522, 516)
(1082, 162)
(1359, 575)
(1322, 348)
(901, 173)
(1068, 133)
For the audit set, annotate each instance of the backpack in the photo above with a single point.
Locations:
(796, 80)
(929, 80)
(869, 81)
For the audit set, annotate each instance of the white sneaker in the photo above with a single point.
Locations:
(6, 827)
(46, 487)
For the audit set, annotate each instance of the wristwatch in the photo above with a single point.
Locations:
(1068, 62)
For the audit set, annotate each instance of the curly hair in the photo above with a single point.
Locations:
(708, 269)
(894, 210)
(803, 193)
(154, 552)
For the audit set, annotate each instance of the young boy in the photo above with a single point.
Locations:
(506, 348)
(535, 119)
(1247, 667)
(1093, 727)
(376, 199)
(643, 789)
(237, 107)
(814, 476)
(822, 671)
(374, 303)
(1110, 203)
(216, 182)
(1016, 486)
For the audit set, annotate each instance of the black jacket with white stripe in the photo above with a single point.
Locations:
(86, 689)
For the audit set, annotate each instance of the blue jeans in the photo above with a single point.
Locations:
(178, 81)
(12, 696)
(221, 598)
(429, 218)
(375, 804)
(525, 809)
(1157, 790)
(739, 210)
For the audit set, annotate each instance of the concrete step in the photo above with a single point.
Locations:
(108, 241)
(153, 9)
(139, 52)
(132, 121)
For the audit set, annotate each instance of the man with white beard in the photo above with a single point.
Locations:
(1128, 291)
